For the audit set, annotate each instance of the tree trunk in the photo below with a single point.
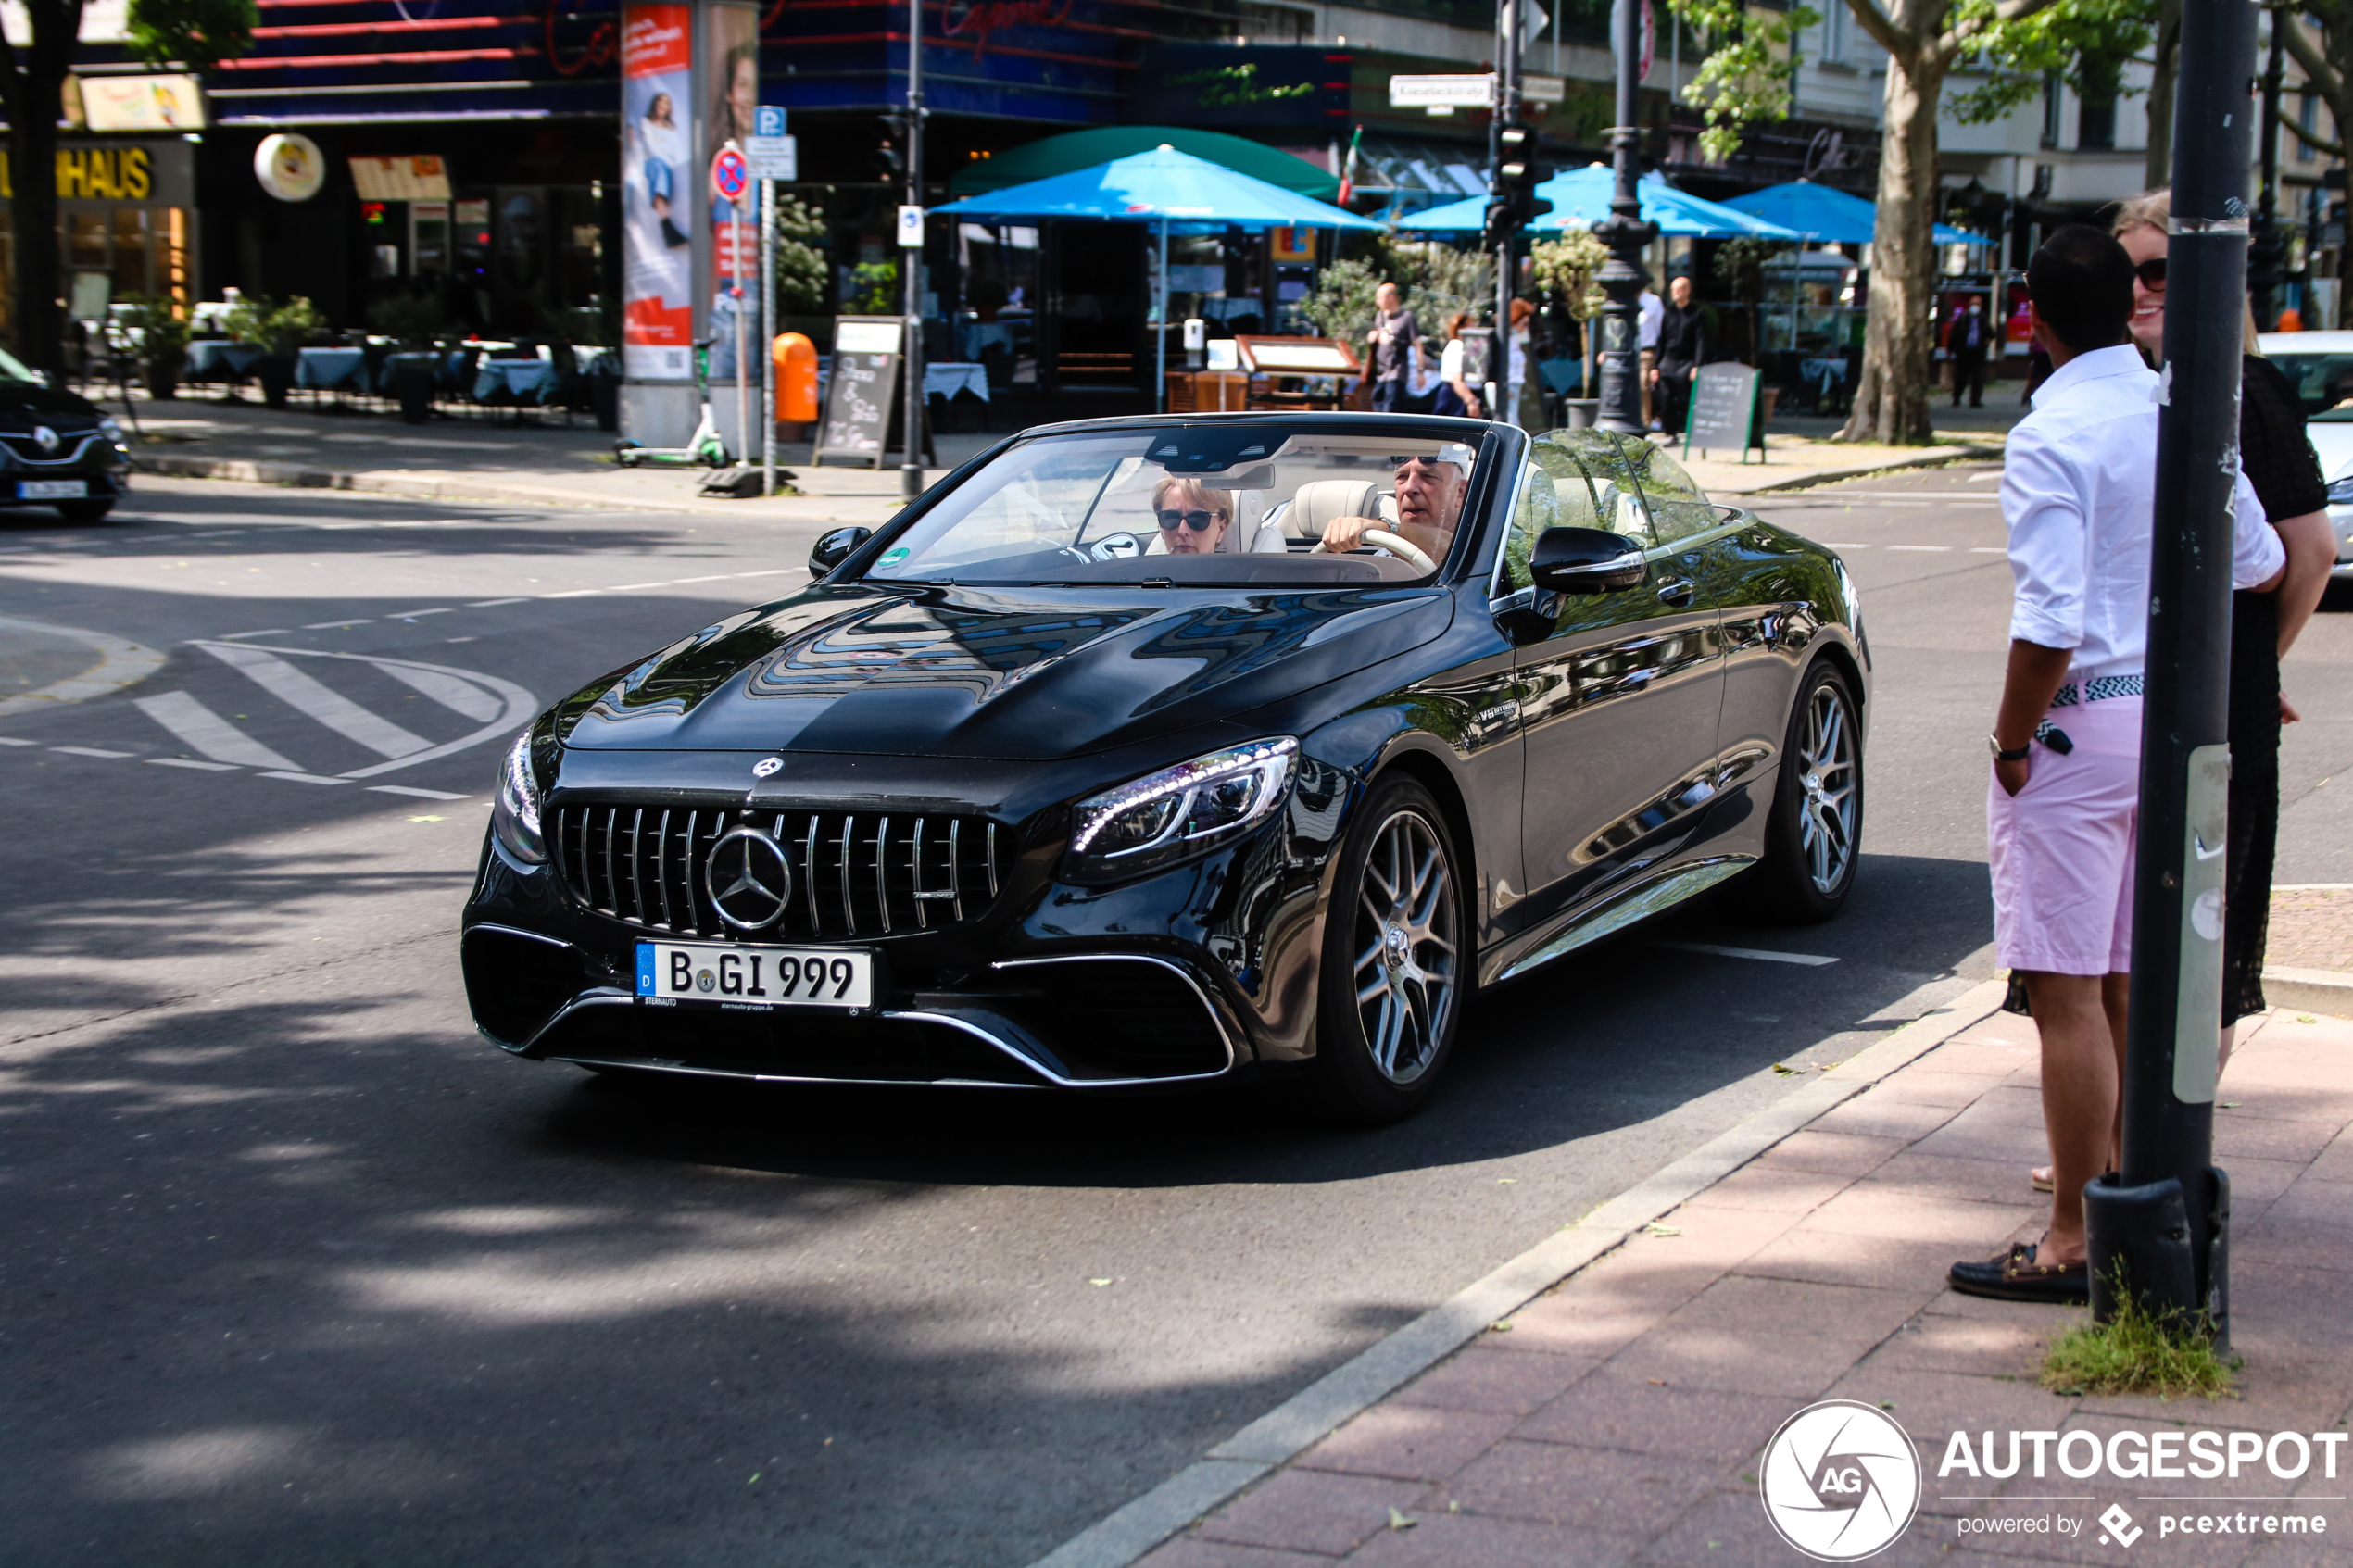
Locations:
(2157, 169)
(1890, 402)
(31, 85)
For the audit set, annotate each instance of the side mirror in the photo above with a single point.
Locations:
(832, 549)
(1586, 560)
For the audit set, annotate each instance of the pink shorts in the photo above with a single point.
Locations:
(2062, 848)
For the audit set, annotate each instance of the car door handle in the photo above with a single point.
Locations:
(1676, 591)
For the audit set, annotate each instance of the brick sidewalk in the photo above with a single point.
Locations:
(2311, 928)
(1620, 1417)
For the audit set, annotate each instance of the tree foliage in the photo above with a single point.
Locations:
(198, 34)
(2081, 43)
(1435, 280)
(1750, 70)
(1571, 265)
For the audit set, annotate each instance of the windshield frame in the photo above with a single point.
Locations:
(1491, 455)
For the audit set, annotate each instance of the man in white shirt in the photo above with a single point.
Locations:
(1653, 314)
(2079, 493)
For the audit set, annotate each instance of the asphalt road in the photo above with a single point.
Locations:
(299, 1271)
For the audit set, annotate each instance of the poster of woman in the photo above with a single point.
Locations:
(658, 185)
(731, 33)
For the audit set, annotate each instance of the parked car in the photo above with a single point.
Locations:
(2320, 365)
(56, 448)
(1094, 768)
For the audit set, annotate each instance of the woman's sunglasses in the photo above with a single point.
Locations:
(1198, 522)
(2151, 272)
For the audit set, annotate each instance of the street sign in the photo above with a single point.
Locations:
(911, 228)
(1540, 89)
(1424, 91)
(774, 157)
(767, 121)
(729, 176)
(1533, 21)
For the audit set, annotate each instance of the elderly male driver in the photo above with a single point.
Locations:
(1429, 498)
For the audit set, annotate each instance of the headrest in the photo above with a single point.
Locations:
(1320, 500)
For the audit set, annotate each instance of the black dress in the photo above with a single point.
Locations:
(2279, 462)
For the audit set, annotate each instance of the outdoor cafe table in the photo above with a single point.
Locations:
(527, 381)
(947, 379)
(330, 369)
(208, 356)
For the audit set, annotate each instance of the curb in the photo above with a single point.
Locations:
(298, 477)
(2310, 990)
(1283, 1432)
(1942, 455)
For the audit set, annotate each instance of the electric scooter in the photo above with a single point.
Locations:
(704, 448)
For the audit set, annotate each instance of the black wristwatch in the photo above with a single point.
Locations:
(1994, 745)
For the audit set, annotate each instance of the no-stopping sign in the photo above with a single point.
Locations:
(728, 175)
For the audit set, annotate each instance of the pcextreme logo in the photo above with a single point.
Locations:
(1840, 1481)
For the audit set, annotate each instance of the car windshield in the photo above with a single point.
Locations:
(2324, 382)
(1230, 502)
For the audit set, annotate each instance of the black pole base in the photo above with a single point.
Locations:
(2140, 1243)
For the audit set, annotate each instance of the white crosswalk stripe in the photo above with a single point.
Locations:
(207, 734)
(459, 696)
(331, 707)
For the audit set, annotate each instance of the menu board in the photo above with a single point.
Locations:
(856, 426)
(1723, 411)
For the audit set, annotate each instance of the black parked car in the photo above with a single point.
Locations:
(56, 449)
(1096, 767)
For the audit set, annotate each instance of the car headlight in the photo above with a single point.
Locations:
(2341, 490)
(514, 818)
(1181, 811)
(109, 427)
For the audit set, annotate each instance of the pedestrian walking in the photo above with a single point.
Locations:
(2078, 495)
(1965, 340)
(1653, 316)
(1682, 345)
(1520, 345)
(2278, 461)
(1396, 342)
(1456, 394)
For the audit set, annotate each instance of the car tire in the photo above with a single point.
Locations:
(94, 510)
(1399, 959)
(1813, 844)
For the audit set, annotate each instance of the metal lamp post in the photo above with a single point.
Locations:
(1622, 277)
(911, 472)
(2158, 1226)
(2267, 247)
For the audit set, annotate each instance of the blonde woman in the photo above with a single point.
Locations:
(1191, 517)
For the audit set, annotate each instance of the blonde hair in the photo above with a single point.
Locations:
(1199, 495)
(2153, 210)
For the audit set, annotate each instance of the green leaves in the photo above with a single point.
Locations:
(1752, 62)
(2081, 43)
(196, 34)
(1572, 264)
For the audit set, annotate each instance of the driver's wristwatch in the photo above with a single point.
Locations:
(1994, 745)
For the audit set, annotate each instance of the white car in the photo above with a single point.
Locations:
(2319, 366)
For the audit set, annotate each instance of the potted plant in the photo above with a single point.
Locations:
(280, 331)
(158, 337)
(417, 324)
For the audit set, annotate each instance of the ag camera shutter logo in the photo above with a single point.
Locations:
(1840, 1481)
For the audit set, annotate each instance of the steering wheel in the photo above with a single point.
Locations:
(1382, 539)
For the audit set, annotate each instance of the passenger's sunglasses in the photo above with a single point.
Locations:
(1198, 522)
(2151, 273)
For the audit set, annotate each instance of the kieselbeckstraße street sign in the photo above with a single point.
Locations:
(1422, 92)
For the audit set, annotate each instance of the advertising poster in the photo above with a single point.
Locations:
(660, 177)
(733, 38)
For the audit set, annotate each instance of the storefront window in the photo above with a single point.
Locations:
(86, 240)
(131, 246)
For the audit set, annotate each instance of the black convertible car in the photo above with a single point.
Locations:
(1151, 751)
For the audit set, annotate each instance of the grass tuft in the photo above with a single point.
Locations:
(2135, 1353)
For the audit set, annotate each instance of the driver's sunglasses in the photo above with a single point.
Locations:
(1402, 464)
(2152, 274)
(1198, 522)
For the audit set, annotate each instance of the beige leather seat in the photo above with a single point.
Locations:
(1320, 500)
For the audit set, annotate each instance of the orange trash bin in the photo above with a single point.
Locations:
(796, 359)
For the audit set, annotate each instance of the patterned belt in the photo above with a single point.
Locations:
(2098, 689)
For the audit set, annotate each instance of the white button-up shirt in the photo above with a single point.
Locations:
(2079, 492)
(1654, 316)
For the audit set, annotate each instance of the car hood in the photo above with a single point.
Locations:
(991, 672)
(2332, 443)
(22, 400)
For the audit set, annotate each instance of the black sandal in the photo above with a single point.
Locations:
(2016, 1277)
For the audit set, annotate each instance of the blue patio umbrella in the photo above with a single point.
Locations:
(1580, 199)
(1160, 187)
(1831, 216)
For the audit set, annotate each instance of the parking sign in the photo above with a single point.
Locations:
(768, 120)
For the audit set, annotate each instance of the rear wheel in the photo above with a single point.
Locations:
(1813, 843)
(1397, 959)
(93, 509)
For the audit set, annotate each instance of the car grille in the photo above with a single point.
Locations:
(72, 444)
(854, 873)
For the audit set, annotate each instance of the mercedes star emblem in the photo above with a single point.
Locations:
(45, 438)
(748, 879)
(766, 766)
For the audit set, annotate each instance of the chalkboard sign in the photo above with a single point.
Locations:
(1723, 411)
(857, 424)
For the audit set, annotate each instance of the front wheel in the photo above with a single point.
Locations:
(1397, 959)
(1814, 842)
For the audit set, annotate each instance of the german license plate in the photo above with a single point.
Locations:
(766, 977)
(52, 489)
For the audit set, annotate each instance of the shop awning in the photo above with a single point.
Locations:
(1076, 150)
(1834, 217)
(1580, 199)
(1164, 185)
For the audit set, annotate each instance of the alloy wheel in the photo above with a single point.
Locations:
(1826, 814)
(1406, 947)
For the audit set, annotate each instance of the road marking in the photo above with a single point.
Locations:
(120, 663)
(417, 614)
(462, 697)
(574, 593)
(1811, 960)
(411, 789)
(328, 626)
(1981, 478)
(304, 778)
(191, 762)
(492, 604)
(11, 740)
(631, 587)
(331, 707)
(203, 730)
(1853, 547)
(1989, 550)
(265, 631)
(90, 751)
(1929, 548)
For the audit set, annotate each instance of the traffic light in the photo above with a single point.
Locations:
(890, 158)
(1519, 172)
